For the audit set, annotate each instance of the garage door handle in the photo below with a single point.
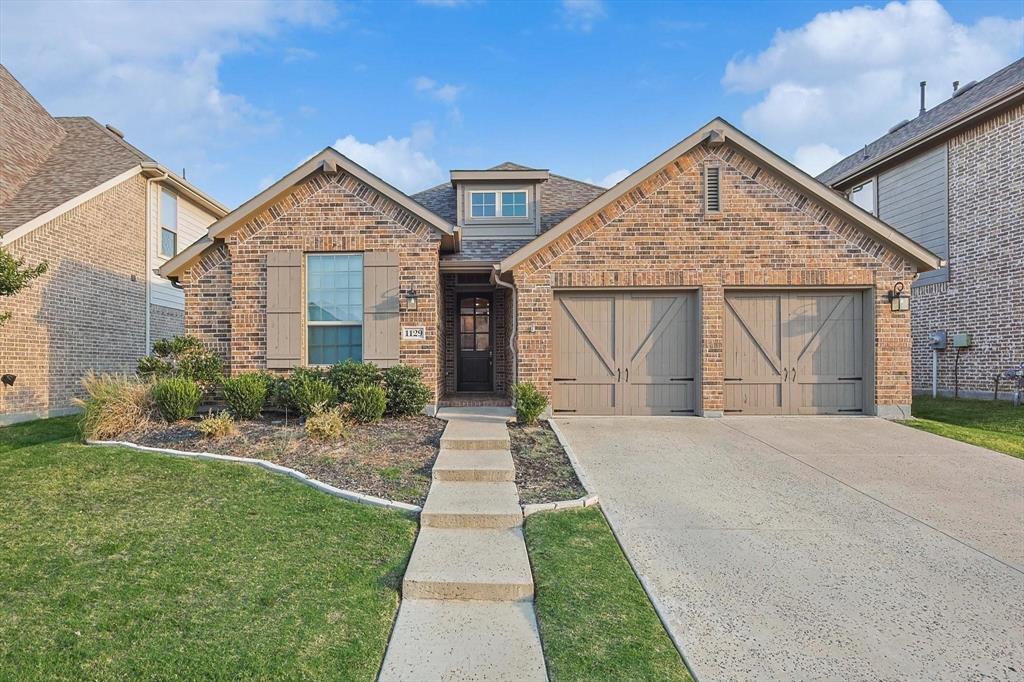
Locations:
(627, 375)
(619, 378)
(792, 374)
(785, 374)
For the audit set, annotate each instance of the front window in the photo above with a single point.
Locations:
(334, 314)
(168, 224)
(864, 196)
(510, 204)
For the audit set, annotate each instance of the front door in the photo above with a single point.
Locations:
(476, 343)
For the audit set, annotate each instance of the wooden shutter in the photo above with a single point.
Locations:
(380, 308)
(284, 308)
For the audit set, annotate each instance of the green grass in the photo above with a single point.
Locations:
(996, 425)
(595, 620)
(117, 564)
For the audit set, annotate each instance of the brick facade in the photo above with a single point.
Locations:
(225, 291)
(86, 312)
(165, 323)
(984, 295)
(768, 235)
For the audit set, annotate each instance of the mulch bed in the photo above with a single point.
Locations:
(543, 470)
(390, 459)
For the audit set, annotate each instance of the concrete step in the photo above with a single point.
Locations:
(465, 504)
(475, 434)
(464, 640)
(503, 414)
(469, 564)
(474, 465)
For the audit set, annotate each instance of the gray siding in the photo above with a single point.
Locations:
(913, 198)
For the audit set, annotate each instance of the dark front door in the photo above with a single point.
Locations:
(476, 354)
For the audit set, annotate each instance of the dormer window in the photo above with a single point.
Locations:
(506, 204)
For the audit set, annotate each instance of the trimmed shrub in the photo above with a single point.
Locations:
(246, 394)
(326, 423)
(307, 388)
(279, 394)
(406, 393)
(214, 426)
(115, 404)
(177, 398)
(345, 376)
(368, 403)
(530, 402)
(185, 357)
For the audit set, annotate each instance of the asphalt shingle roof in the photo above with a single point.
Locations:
(934, 119)
(88, 156)
(486, 250)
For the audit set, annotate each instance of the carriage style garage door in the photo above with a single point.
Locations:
(628, 352)
(795, 352)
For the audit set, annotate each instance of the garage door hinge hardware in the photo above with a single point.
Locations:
(850, 409)
(849, 378)
(565, 378)
(734, 410)
(681, 411)
(681, 379)
(564, 410)
(733, 379)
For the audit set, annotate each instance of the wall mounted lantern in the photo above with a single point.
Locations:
(8, 379)
(410, 300)
(898, 301)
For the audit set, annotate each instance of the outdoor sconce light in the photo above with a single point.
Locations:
(8, 379)
(897, 300)
(410, 299)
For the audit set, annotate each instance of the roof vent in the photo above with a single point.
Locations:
(115, 131)
(899, 125)
(965, 88)
(712, 190)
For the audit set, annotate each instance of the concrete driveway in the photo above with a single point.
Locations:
(817, 548)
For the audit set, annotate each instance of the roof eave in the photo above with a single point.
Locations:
(152, 169)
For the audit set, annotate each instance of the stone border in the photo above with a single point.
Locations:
(349, 495)
(578, 503)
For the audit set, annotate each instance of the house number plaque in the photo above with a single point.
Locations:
(414, 333)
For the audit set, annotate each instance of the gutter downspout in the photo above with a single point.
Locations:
(496, 280)
(149, 257)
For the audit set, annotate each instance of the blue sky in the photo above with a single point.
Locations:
(239, 93)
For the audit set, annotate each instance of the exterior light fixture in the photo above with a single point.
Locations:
(8, 379)
(898, 301)
(410, 299)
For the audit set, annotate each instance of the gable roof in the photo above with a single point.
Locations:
(997, 89)
(560, 197)
(718, 131)
(328, 160)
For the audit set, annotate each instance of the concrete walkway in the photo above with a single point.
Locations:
(467, 607)
(818, 548)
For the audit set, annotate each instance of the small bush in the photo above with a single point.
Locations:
(345, 376)
(115, 404)
(406, 392)
(279, 395)
(177, 398)
(214, 426)
(326, 423)
(368, 403)
(307, 388)
(530, 402)
(246, 394)
(185, 357)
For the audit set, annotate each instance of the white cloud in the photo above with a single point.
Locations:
(581, 15)
(841, 80)
(298, 54)
(447, 92)
(403, 162)
(814, 158)
(150, 68)
(610, 180)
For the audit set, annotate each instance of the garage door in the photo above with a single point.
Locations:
(629, 352)
(795, 352)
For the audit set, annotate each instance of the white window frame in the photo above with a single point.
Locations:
(329, 323)
(873, 194)
(165, 227)
(499, 196)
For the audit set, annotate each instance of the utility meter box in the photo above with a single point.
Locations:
(937, 340)
(961, 340)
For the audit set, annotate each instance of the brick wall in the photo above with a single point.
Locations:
(768, 234)
(165, 323)
(226, 291)
(984, 295)
(87, 311)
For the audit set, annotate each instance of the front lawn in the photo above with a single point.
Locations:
(118, 564)
(595, 620)
(996, 425)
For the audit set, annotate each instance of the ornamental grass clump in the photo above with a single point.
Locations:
(530, 403)
(214, 426)
(114, 404)
(327, 423)
(246, 394)
(368, 403)
(177, 398)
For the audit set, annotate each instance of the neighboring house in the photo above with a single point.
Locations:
(103, 216)
(953, 179)
(716, 279)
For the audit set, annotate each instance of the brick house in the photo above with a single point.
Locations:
(953, 179)
(716, 279)
(103, 216)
